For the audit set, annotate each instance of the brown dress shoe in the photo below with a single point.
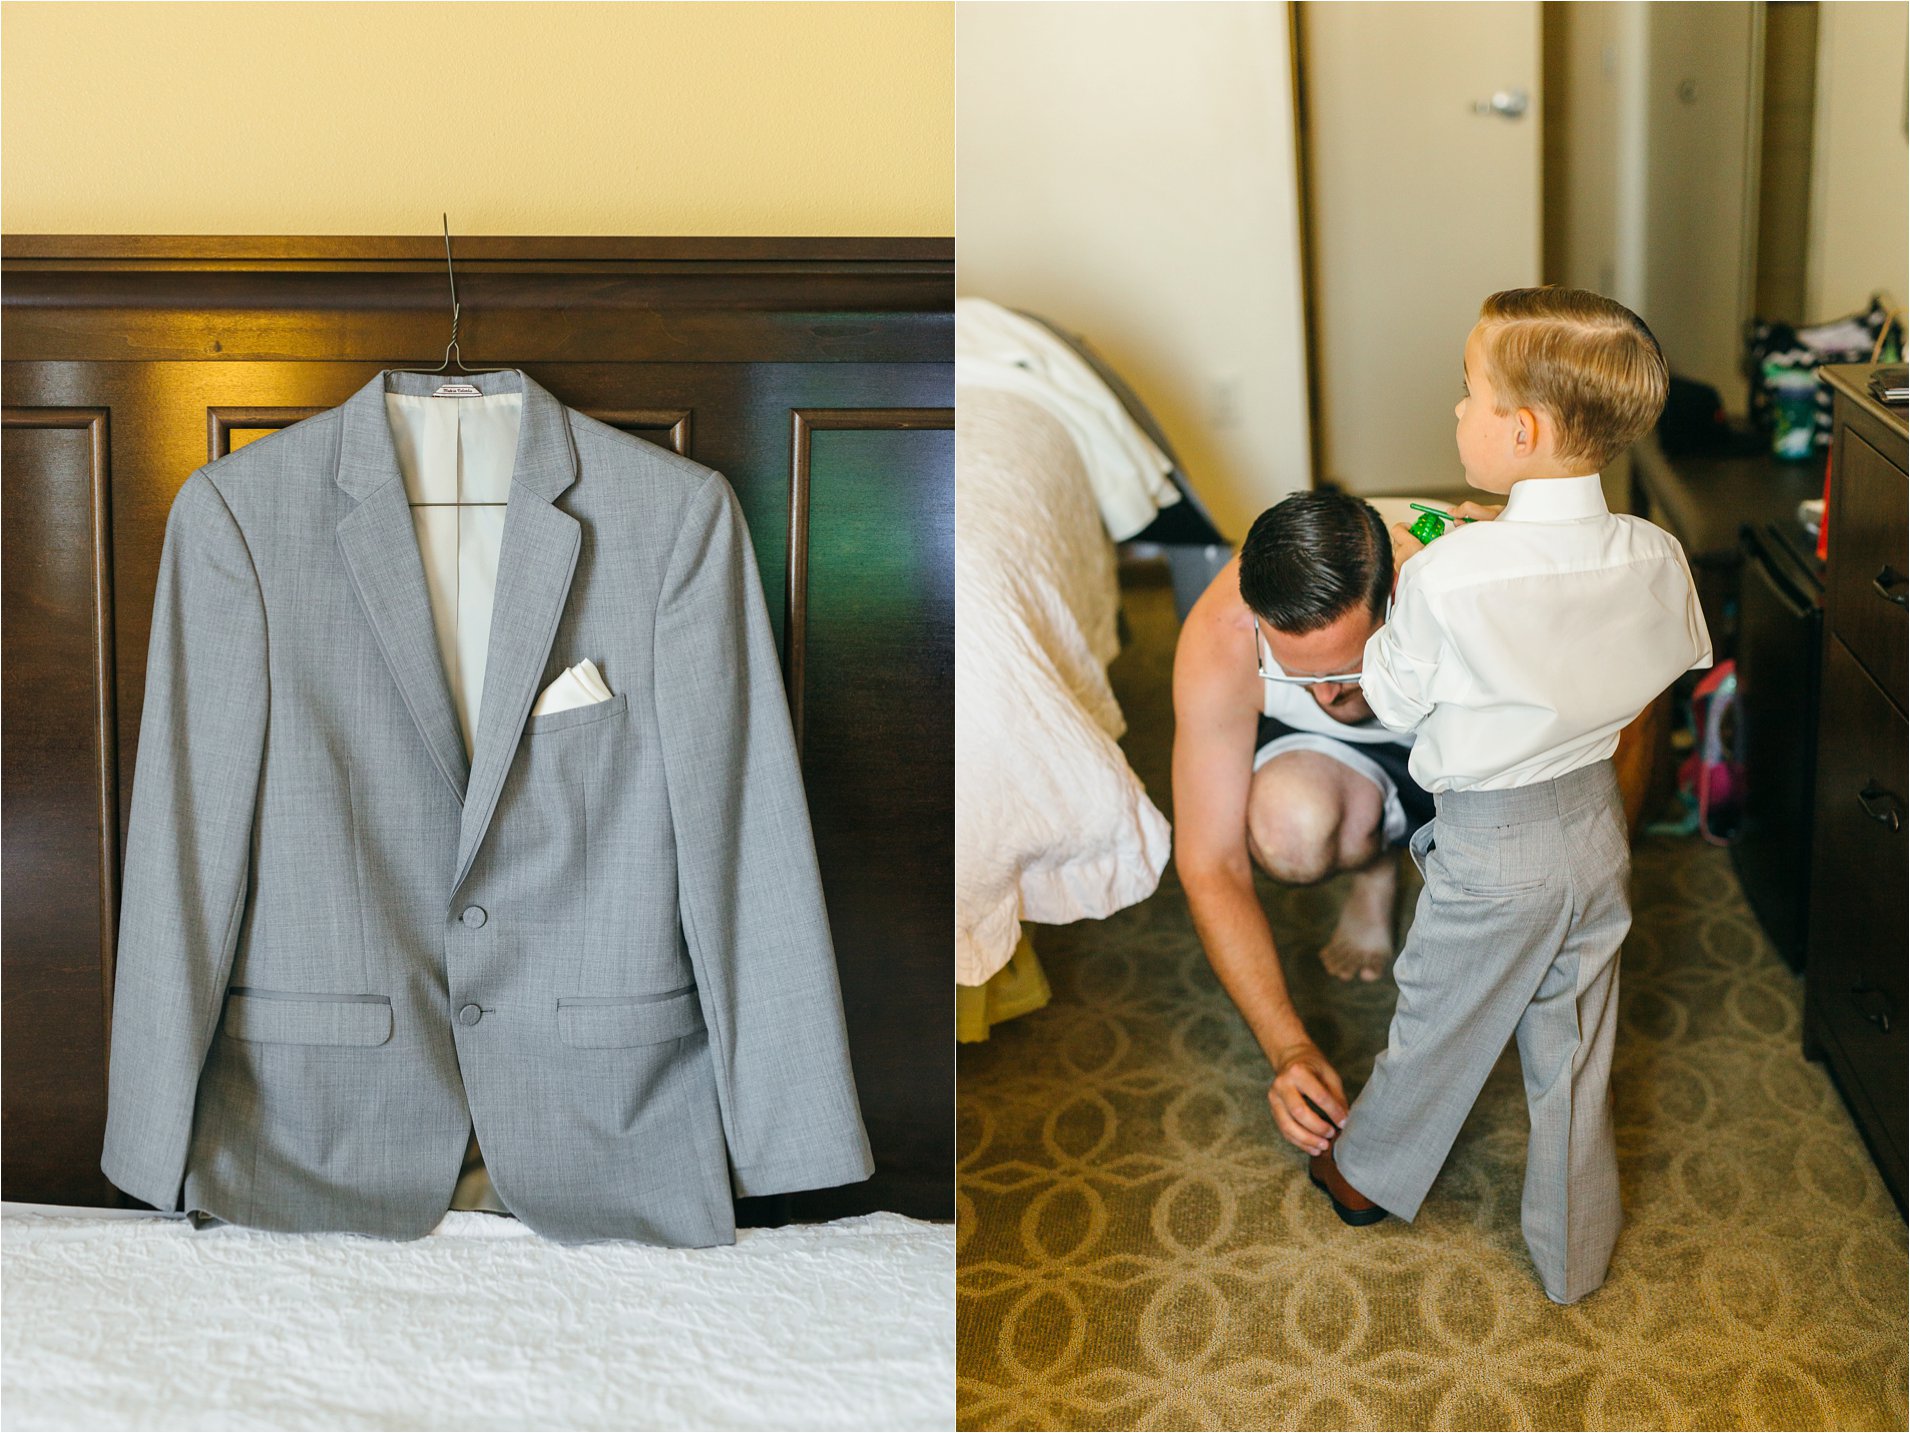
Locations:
(1352, 1206)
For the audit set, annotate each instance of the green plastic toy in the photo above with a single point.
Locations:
(1433, 524)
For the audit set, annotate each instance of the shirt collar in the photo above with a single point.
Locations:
(1555, 500)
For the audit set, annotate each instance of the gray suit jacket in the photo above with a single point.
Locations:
(602, 938)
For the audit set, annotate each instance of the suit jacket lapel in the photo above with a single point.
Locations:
(380, 549)
(537, 558)
(535, 563)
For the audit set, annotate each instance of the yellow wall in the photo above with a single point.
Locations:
(520, 118)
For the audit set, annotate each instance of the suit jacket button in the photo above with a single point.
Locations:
(470, 1015)
(473, 916)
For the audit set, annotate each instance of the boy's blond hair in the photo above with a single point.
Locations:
(1587, 361)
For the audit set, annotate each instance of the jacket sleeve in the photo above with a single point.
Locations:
(749, 890)
(1401, 658)
(188, 840)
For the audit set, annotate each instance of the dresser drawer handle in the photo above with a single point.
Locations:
(1890, 815)
(1879, 1018)
(1888, 579)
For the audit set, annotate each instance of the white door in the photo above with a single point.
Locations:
(1422, 198)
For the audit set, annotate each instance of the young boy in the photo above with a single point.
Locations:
(1517, 649)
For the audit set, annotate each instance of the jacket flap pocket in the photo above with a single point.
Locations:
(628, 1020)
(293, 1018)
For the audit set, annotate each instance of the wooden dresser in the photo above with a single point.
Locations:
(1854, 1006)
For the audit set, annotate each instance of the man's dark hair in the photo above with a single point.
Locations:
(1310, 557)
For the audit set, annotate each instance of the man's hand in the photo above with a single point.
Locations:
(1404, 546)
(1303, 1074)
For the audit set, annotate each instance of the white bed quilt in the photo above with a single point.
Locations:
(131, 1322)
(1051, 823)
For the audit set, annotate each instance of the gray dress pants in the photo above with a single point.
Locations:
(1516, 935)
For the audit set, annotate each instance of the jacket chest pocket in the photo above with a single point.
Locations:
(541, 826)
(571, 718)
(566, 749)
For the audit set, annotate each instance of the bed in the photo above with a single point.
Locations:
(122, 1319)
(1053, 469)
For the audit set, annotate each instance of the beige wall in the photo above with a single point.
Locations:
(1860, 198)
(558, 118)
(1128, 171)
(1581, 127)
(1702, 86)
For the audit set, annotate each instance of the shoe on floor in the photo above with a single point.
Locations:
(1352, 1206)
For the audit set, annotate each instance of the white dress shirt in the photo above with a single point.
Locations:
(1519, 648)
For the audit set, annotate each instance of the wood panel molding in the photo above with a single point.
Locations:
(674, 424)
(52, 1160)
(96, 423)
(804, 422)
(107, 299)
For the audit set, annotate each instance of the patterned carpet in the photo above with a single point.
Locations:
(1139, 1248)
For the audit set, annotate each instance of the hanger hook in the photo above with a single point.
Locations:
(451, 273)
(457, 311)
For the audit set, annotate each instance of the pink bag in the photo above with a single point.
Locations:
(1711, 774)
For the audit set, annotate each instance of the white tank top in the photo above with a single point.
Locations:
(1293, 704)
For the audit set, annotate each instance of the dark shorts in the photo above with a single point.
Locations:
(1389, 756)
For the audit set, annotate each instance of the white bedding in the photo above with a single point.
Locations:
(1051, 823)
(143, 1322)
(997, 348)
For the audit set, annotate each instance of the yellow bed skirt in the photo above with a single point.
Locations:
(1017, 988)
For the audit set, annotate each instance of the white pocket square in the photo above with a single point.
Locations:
(576, 686)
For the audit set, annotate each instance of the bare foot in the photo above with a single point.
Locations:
(1352, 953)
(1362, 942)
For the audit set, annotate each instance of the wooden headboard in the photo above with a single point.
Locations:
(816, 374)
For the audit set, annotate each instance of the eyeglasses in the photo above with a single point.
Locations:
(1341, 678)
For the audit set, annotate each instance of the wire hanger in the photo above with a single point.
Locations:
(451, 388)
(454, 390)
